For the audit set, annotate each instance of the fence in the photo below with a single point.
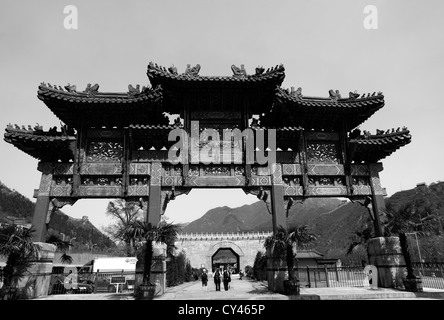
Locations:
(431, 273)
(319, 277)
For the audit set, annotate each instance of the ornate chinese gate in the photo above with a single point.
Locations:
(116, 145)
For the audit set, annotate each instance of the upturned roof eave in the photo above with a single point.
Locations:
(32, 144)
(45, 93)
(374, 148)
(368, 105)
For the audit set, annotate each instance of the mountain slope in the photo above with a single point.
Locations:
(257, 217)
(14, 204)
(225, 219)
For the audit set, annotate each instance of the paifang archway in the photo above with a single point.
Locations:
(116, 145)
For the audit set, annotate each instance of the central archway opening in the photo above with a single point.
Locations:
(225, 258)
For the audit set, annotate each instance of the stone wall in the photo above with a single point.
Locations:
(199, 248)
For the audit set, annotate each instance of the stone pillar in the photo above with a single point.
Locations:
(276, 271)
(378, 193)
(42, 203)
(155, 195)
(36, 281)
(276, 264)
(385, 253)
(277, 198)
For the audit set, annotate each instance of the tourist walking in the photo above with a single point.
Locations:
(204, 278)
(227, 278)
(217, 279)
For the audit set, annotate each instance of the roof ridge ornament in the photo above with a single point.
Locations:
(353, 95)
(334, 95)
(71, 88)
(133, 91)
(91, 90)
(296, 93)
(239, 72)
(259, 70)
(146, 89)
(194, 71)
(173, 70)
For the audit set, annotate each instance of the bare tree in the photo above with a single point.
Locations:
(123, 213)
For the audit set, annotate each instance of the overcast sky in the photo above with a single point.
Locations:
(322, 44)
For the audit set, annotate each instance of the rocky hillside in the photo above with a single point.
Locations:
(14, 206)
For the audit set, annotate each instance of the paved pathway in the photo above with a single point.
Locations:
(244, 289)
(248, 289)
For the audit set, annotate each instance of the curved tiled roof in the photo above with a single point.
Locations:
(41, 145)
(100, 108)
(283, 129)
(158, 75)
(255, 92)
(47, 92)
(293, 108)
(372, 148)
(341, 106)
(374, 101)
(153, 127)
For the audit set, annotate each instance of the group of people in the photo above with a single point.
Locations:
(219, 276)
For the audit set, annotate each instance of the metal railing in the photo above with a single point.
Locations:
(431, 273)
(319, 277)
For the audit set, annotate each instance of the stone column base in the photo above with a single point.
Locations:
(413, 285)
(36, 281)
(385, 253)
(158, 270)
(145, 292)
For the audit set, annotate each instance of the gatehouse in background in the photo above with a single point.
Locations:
(202, 250)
